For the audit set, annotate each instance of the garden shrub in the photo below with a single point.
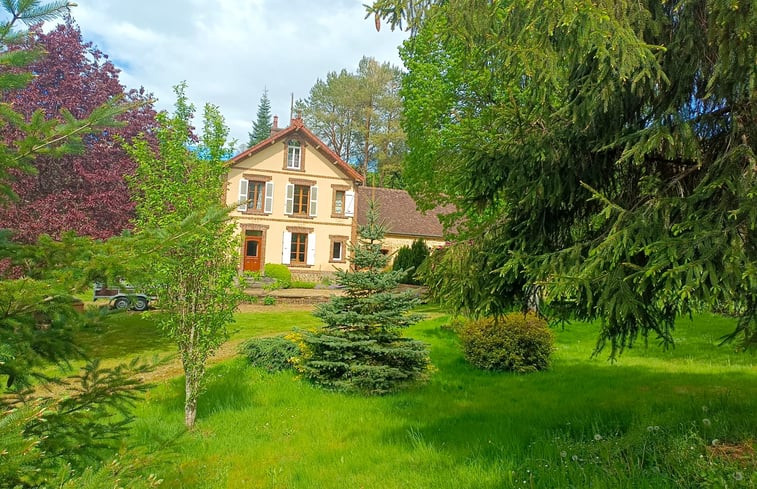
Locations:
(514, 342)
(280, 273)
(411, 258)
(299, 284)
(272, 354)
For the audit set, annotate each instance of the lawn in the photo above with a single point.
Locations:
(678, 418)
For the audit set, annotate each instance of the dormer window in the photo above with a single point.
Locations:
(294, 155)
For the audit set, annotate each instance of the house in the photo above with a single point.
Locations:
(403, 221)
(296, 201)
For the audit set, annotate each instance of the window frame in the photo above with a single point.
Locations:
(294, 253)
(294, 148)
(342, 241)
(297, 200)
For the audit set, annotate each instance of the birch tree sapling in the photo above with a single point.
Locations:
(195, 276)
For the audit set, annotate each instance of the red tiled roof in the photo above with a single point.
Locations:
(399, 212)
(297, 126)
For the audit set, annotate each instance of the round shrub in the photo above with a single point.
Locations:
(280, 273)
(272, 354)
(515, 342)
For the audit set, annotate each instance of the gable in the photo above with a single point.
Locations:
(317, 158)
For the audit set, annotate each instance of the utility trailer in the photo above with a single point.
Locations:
(122, 297)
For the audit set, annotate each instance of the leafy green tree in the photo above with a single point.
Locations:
(361, 348)
(261, 126)
(358, 115)
(603, 151)
(194, 277)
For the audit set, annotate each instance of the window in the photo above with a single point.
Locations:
(338, 249)
(299, 246)
(339, 202)
(294, 155)
(301, 199)
(255, 195)
(343, 201)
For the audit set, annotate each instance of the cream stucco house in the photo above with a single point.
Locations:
(296, 203)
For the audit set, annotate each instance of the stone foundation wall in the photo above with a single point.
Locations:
(311, 275)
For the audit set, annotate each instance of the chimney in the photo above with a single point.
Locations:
(275, 127)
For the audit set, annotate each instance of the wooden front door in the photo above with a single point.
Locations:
(252, 248)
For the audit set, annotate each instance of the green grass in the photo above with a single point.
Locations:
(645, 421)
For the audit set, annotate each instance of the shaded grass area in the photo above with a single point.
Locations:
(648, 420)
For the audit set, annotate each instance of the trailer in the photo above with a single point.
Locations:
(122, 297)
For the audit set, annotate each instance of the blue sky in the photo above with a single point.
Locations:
(228, 51)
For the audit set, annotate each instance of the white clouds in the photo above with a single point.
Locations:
(229, 50)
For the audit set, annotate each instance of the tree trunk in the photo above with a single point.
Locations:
(190, 401)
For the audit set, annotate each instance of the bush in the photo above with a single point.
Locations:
(297, 284)
(411, 258)
(280, 273)
(269, 300)
(272, 354)
(515, 342)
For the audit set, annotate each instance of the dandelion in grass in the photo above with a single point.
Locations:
(574, 458)
(738, 476)
(706, 422)
(597, 437)
(715, 442)
(650, 428)
(705, 409)
(563, 454)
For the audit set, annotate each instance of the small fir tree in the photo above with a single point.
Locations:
(261, 127)
(361, 348)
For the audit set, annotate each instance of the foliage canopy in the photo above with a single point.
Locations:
(603, 151)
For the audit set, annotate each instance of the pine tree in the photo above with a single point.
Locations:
(361, 347)
(261, 127)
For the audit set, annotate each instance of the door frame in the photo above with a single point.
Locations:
(259, 256)
(243, 242)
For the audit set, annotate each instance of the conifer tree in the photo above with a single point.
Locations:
(361, 347)
(261, 127)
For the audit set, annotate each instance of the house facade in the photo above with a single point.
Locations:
(296, 203)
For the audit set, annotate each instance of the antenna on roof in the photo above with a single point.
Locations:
(291, 108)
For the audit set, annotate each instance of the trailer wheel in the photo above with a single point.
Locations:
(140, 304)
(121, 303)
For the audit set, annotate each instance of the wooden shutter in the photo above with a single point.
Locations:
(349, 203)
(289, 207)
(313, 200)
(286, 249)
(242, 195)
(311, 249)
(268, 208)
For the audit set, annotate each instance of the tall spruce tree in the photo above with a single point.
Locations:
(361, 348)
(261, 127)
(615, 170)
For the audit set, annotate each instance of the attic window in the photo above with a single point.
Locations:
(294, 155)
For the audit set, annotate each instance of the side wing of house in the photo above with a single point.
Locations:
(296, 203)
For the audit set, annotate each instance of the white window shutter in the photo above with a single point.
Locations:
(311, 249)
(286, 249)
(242, 195)
(313, 200)
(349, 203)
(268, 209)
(289, 208)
